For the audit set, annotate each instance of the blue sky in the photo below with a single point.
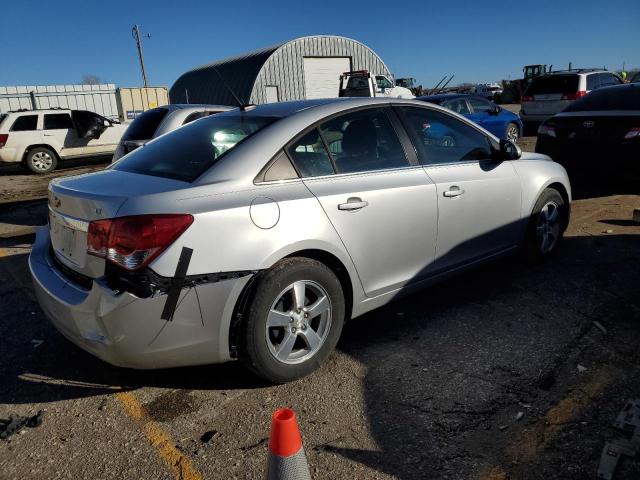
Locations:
(47, 42)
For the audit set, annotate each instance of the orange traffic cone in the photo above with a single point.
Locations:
(287, 460)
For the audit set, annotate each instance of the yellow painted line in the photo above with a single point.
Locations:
(180, 464)
(535, 439)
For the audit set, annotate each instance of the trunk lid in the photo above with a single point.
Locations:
(594, 127)
(76, 201)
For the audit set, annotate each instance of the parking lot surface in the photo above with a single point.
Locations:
(509, 371)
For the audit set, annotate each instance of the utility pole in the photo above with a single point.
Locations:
(136, 36)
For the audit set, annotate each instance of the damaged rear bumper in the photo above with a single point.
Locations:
(126, 330)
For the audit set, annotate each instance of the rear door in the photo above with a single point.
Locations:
(478, 197)
(58, 128)
(376, 195)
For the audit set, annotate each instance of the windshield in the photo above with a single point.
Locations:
(383, 82)
(187, 152)
(612, 98)
(145, 124)
(553, 84)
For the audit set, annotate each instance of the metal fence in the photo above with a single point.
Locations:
(95, 98)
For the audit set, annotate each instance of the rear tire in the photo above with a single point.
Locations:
(512, 132)
(41, 160)
(293, 321)
(546, 227)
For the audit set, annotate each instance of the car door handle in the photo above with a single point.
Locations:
(353, 203)
(453, 191)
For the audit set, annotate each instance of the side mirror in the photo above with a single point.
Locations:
(496, 110)
(509, 150)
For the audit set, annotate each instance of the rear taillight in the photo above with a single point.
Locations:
(526, 98)
(633, 133)
(546, 130)
(574, 96)
(132, 242)
(3, 139)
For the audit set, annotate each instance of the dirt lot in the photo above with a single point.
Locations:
(431, 386)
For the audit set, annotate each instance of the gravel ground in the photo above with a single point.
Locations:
(498, 373)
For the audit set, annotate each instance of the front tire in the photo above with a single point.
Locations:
(294, 320)
(41, 160)
(547, 224)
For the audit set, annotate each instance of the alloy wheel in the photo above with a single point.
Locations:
(298, 322)
(512, 133)
(41, 161)
(548, 227)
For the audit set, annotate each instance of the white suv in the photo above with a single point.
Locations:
(39, 138)
(552, 93)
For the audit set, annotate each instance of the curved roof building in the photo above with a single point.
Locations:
(307, 67)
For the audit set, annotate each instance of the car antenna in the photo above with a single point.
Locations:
(243, 106)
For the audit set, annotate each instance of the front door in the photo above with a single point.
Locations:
(383, 207)
(479, 205)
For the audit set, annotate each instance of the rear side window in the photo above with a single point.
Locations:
(25, 123)
(310, 155)
(613, 98)
(363, 141)
(57, 121)
(188, 152)
(549, 84)
(441, 138)
(480, 106)
(459, 105)
(608, 80)
(145, 124)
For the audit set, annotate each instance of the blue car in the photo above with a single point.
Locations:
(502, 123)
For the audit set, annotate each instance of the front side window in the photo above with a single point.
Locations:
(480, 106)
(25, 123)
(363, 141)
(459, 105)
(188, 152)
(441, 138)
(57, 121)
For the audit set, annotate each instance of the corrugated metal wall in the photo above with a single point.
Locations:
(95, 98)
(284, 68)
(280, 66)
(132, 101)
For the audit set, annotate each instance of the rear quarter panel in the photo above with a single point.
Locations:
(245, 230)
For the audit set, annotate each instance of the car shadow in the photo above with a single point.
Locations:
(442, 363)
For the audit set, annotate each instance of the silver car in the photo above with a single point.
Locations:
(255, 233)
(158, 121)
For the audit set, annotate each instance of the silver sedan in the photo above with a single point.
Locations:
(255, 233)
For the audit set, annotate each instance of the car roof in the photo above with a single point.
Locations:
(194, 106)
(441, 97)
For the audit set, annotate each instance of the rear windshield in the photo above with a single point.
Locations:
(145, 125)
(187, 152)
(553, 84)
(614, 98)
(2, 117)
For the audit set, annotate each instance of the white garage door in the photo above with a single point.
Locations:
(322, 75)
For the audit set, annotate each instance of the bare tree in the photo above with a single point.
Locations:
(91, 80)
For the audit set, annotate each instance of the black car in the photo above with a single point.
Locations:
(599, 132)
